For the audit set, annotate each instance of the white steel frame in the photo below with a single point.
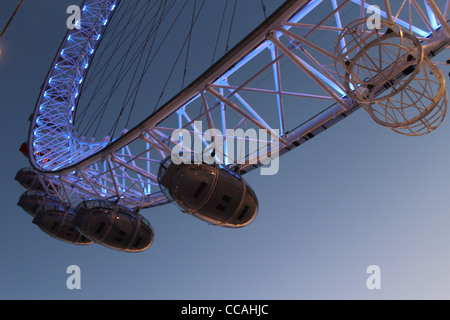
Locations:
(226, 96)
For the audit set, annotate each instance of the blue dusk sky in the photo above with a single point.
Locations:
(356, 195)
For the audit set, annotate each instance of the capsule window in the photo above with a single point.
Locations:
(226, 198)
(242, 214)
(100, 228)
(220, 207)
(136, 244)
(54, 226)
(200, 189)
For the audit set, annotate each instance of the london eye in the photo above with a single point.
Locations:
(212, 117)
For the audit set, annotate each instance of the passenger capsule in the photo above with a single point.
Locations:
(56, 220)
(31, 201)
(113, 225)
(211, 193)
(31, 179)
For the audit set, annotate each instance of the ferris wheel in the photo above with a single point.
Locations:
(96, 160)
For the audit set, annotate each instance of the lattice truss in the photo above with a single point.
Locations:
(292, 79)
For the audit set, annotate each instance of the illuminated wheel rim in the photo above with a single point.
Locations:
(53, 144)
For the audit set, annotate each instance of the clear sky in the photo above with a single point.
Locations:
(354, 196)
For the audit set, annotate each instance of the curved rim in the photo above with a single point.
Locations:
(91, 151)
(52, 122)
